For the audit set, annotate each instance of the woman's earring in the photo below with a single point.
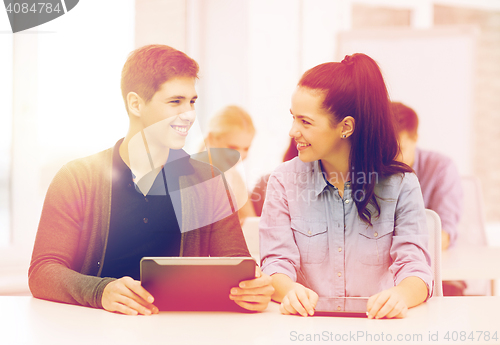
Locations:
(343, 136)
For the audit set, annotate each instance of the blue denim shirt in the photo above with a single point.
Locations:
(311, 234)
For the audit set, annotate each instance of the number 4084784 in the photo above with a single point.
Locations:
(471, 336)
(40, 7)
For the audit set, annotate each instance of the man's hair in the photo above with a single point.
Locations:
(406, 118)
(148, 67)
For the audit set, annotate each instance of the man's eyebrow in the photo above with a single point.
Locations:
(181, 97)
(176, 97)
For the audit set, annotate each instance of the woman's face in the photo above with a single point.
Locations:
(311, 128)
(239, 140)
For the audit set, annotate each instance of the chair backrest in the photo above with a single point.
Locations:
(472, 226)
(251, 233)
(434, 227)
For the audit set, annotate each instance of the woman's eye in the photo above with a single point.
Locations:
(176, 101)
(305, 122)
(193, 102)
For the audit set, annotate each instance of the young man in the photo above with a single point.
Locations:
(143, 197)
(439, 181)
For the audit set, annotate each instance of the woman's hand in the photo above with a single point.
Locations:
(394, 302)
(253, 294)
(388, 303)
(127, 296)
(299, 300)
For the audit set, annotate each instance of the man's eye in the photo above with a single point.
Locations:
(193, 101)
(305, 122)
(175, 101)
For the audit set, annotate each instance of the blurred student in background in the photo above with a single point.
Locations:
(232, 127)
(345, 218)
(259, 191)
(439, 181)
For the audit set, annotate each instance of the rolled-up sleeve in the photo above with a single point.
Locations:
(278, 250)
(409, 250)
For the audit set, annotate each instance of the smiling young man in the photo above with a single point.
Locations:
(143, 197)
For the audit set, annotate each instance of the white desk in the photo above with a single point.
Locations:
(26, 320)
(469, 262)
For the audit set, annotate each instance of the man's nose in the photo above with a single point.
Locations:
(188, 116)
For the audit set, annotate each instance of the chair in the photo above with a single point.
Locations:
(434, 227)
(472, 228)
(251, 233)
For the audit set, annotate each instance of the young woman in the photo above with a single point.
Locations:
(345, 218)
(232, 128)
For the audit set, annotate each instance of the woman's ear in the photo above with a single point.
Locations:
(134, 103)
(347, 125)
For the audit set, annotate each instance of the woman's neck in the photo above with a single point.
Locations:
(337, 171)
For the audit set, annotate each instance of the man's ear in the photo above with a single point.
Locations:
(134, 103)
(348, 124)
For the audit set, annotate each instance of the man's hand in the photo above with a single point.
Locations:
(127, 296)
(299, 300)
(253, 294)
(388, 303)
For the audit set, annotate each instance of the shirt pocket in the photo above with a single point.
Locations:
(311, 239)
(374, 243)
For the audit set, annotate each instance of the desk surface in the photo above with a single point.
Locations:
(26, 320)
(469, 262)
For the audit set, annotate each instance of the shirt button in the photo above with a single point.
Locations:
(347, 201)
(338, 308)
(340, 249)
(309, 232)
(375, 234)
(339, 274)
(146, 200)
(145, 220)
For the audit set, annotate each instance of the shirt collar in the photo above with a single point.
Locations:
(177, 164)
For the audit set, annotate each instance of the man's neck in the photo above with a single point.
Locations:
(142, 158)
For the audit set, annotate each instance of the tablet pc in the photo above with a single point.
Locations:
(195, 283)
(341, 306)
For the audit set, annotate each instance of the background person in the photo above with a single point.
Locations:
(439, 180)
(232, 128)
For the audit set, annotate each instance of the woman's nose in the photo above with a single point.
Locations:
(294, 133)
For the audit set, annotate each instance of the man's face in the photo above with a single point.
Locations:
(168, 116)
(407, 143)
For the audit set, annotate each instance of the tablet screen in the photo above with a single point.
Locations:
(341, 306)
(194, 283)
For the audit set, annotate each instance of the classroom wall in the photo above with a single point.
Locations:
(486, 111)
(253, 53)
